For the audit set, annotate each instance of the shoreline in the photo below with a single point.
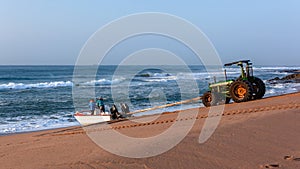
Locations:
(147, 115)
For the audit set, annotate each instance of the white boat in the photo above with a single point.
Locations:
(86, 119)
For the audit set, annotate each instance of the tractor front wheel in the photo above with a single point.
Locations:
(241, 91)
(206, 99)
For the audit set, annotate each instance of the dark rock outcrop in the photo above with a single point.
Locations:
(292, 78)
(290, 71)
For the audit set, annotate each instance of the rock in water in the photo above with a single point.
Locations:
(294, 78)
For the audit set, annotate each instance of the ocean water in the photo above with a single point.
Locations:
(40, 97)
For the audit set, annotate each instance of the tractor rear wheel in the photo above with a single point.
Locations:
(206, 99)
(259, 88)
(241, 91)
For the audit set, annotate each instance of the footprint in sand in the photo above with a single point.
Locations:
(289, 157)
(296, 159)
(272, 166)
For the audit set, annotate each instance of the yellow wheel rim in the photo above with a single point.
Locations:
(241, 91)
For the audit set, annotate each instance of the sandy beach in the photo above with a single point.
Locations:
(257, 134)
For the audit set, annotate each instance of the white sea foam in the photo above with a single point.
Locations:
(13, 85)
(33, 123)
(281, 88)
(279, 68)
(161, 79)
(161, 75)
(105, 81)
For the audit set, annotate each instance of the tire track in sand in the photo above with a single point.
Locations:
(288, 106)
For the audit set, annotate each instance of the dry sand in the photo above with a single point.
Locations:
(257, 134)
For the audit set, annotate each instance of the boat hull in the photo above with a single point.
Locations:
(91, 119)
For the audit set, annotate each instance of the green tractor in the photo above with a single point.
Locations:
(245, 88)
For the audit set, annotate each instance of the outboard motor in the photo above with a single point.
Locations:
(114, 112)
(125, 108)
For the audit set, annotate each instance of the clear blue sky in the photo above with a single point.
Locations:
(54, 31)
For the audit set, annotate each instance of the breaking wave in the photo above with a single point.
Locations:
(280, 68)
(13, 85)
(150, 74)
(104, 81)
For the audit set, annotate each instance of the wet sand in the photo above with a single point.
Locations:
(257, 134)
